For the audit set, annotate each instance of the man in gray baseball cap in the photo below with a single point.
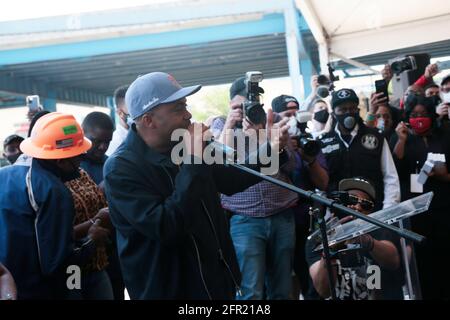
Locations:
(152, 90)
(172, 234)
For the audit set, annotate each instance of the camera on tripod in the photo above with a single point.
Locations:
(306, 142)
(252, 107)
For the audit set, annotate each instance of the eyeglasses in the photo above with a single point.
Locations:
(365, 204)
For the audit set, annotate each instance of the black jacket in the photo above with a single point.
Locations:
(362, 158)
(172, 234)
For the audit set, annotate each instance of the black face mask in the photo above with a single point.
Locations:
(13, 159)
(434, 100)
(348, 120)
(321, 116)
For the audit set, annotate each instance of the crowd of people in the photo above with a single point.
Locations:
(110, 200)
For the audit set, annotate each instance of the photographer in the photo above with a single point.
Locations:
(353, 149)
(310, 173)
(377, 248)
(262, 223)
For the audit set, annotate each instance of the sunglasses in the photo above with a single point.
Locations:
(366, 205)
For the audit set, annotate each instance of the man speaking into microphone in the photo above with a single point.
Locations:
(172, 234)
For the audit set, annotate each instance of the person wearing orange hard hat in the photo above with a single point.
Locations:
(37, 211)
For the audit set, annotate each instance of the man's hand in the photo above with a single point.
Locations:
(431, 70)
(236, 115)
(98, 234)
(386, 73)
(103, 216)
(314, 82)
(195, 138)
(376, 100)
(440, 172)
(366, 241)
(402, 131)
(442, 110)
(277, 133)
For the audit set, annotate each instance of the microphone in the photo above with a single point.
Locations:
(229, 154)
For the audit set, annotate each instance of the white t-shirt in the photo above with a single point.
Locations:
(118, 137)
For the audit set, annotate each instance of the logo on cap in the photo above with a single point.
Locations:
(150, 103)
(173, 80)
(287, 100)
(344, 94)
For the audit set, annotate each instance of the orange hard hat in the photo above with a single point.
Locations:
(55, 136)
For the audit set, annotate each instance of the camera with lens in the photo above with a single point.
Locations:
(323, 90)
(401, 64)
(326, 84)
(306, 142)
(252, 107)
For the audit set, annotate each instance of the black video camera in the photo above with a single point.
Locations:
(305, 141)
(401, 64)
(326, 84)
(252, 107)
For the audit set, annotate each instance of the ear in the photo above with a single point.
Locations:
(149, 121)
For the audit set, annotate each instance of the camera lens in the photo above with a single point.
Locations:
(323, 80)
(310, 146)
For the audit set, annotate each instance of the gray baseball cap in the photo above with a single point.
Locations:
(153, 89)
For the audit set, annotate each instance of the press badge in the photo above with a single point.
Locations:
(416, 187)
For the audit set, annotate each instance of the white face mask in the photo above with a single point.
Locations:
(445, 97)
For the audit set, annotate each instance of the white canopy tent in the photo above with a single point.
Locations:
(347, 29)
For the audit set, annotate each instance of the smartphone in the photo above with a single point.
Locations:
(381, 86)
(33, 103)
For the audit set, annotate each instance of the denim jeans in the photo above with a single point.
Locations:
(94, 286)
(264, 249)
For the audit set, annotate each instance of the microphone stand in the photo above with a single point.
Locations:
(323, 203)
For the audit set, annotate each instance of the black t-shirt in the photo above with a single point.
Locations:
(351, 282)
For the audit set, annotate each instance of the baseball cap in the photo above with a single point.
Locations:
(11, 138)
(279, 104)
(153, 89)
(357, 183)
(343, 95)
